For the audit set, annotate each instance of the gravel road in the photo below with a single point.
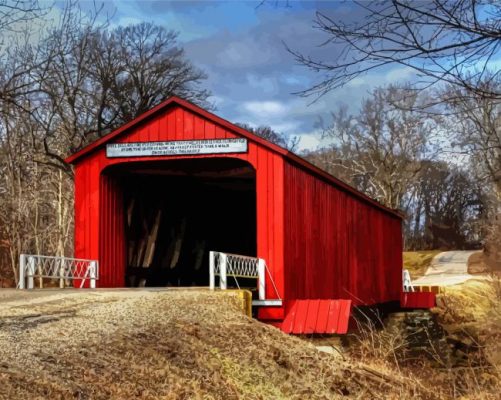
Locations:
(154, 344)
(165, 344)
(447, 268)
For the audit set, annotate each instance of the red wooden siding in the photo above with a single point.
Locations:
(112, 248)
(418, 300)
(317, 316)
(98, 208)
(337, 245)
(322, 240)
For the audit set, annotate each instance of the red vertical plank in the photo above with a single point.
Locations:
(300, 319)
(323, 316)
(106, 247)
(288, 324)
(198, 128)
(344, 316)
(155, 129)
(94, 208)
(301, 242)
(270, 226)
(79, 207)
(162, 128)
(179, 113)
(110, 214)
(113, 217)
(210, 130)
(252, 154)
(311, 319)
(119, 236)
(220, 133)
(103, 232)
(171, 126)
(141, 134)
(309, 244)
(188, 127)
(262, 204)
(278, 223)
(332, 322)
(85, 212)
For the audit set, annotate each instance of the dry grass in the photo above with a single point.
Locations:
(476, 264)
(197, 345)
(471, 314)
(417, 262)
(167, 345)
(473, 310)
(481, 263)
(456, 353)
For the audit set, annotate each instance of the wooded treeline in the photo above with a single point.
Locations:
(439, 164)
(62, 87)
(453, 48)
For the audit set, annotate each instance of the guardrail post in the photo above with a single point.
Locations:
(212, 273)
(61, 273)
(92, 274)
(31, 272)
(407, 282)
(22, 271)
(222, 270)
(261, 268)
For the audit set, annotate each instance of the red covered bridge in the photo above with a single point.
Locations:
(182, 174)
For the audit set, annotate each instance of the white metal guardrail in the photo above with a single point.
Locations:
(62, 268)
(226, 265)
(406, 278)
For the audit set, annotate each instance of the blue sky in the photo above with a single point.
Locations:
(251, 75)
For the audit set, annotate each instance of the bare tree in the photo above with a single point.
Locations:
(13, 13)
(446, 209)
(444, 41)
(330, 159)
(16, 54)
(476, 123)
(92, 80)
(380, 148)
(153, 68)
(30, 192)
(266, 132)
(78, 82)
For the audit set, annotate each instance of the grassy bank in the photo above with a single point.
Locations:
(151, 344)
(417, 262)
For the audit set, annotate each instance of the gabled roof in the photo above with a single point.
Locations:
(176, 101)
(170, 102)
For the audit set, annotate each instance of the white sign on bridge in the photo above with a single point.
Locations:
(178, 147)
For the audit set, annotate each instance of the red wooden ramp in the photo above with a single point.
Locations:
(317, 316)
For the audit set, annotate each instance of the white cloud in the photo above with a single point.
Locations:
(126, 21)
(264, 109)
(399, 74)
(313, 141)
(357, 82)
(244, 53)
(292, 79)
(308, 142)
(264, 84)
(285, 127)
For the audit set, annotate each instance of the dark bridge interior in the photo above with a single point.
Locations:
(177, 211)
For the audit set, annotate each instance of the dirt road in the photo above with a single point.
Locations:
(168, 344)
(446, 269)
